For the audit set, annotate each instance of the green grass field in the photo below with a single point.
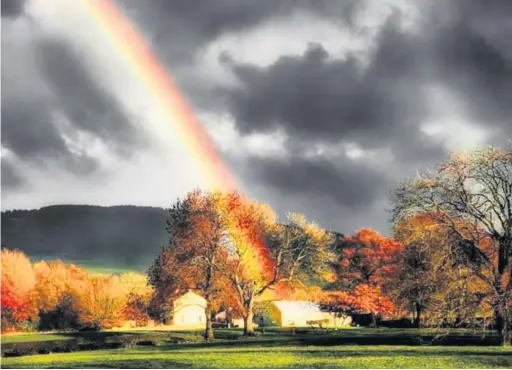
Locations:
(350, 348)
(243, 356)
(24, 338)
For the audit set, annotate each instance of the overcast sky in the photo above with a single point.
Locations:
(317, 106)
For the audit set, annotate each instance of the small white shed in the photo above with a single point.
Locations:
(222, 317)
(299, 314)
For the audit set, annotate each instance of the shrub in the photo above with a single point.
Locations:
(64, 316)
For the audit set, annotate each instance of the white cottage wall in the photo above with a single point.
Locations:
(189, 311)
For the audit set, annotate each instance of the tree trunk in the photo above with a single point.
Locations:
(229, 320)
(373, 323)
(417, 319)
(249, 316)
(248, 324)
(208, 333)
(506, 335)
(501, 310)
(502, 322)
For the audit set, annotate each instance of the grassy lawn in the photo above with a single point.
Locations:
(278, 348)
(23, 338)
(242, 355)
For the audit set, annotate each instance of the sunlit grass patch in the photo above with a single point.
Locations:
(23, 338)
(242, 356)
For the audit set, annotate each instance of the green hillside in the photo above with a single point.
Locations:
(107, 239)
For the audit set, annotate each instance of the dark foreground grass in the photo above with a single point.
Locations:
(277, 348)
(242, 355)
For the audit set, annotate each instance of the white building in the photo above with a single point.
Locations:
(223, 317)
(298, 314)
(189, 311)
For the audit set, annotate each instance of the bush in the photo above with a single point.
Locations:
(136, 309)
(64, 316)
(160, 312)
(319, 323)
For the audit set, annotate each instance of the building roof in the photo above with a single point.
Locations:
(190, 298)
(223, 316)
(304, 307)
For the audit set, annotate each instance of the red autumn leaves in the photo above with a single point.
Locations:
(366, 265)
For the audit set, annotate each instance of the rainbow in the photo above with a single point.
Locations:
(142, 61)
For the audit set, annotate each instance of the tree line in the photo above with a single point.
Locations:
(58, 296)
(447, 262)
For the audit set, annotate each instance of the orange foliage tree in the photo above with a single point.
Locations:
(101, 300)
(138, 297)
(266, 255)
(18, 279)
(60, 296)
(366, 265)
(195, 254)
(69, 298)
(57, 291)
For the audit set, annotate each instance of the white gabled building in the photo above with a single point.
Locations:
(299, 314)
(189, 311)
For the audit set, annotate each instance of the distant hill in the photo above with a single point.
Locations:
(124, 236)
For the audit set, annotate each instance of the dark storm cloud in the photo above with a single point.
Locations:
(383, 104)
(57, 81)
(10, 177)
(179, 28)
(83, 99)
(28, 130)
(347, 184)
(472, 54)
(314, 97)
(12, 8)
(462, 46)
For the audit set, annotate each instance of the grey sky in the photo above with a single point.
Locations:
(317, 106)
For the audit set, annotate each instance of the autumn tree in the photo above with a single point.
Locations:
(195, 252)
(423, 266)
(51, 283)
(101, 301)
(265, 255)
(429, 279)
(138, 297)
(472, 190)
(18, 279)
(366, 264)
(69, 298)
(56, 294)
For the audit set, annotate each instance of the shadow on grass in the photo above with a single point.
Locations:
(231, 350)
(331, 340)
(440, 359)
(86, 342)
(83, 341)
(407, 353)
